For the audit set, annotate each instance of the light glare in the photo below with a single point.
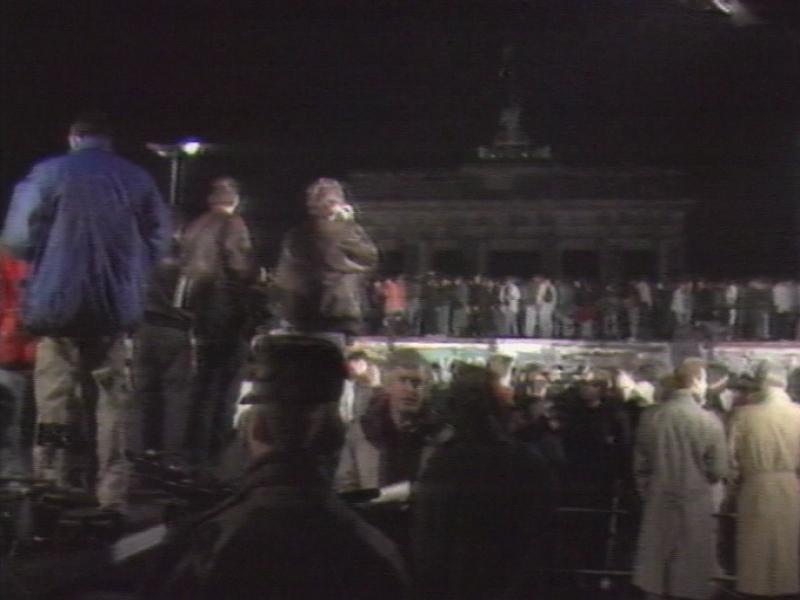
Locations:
(190, 148)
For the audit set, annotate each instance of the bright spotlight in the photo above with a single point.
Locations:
(191, 148)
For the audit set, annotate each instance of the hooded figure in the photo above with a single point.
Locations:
(323, 262)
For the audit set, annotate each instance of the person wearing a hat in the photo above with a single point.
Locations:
(765, 457)
(284, 533)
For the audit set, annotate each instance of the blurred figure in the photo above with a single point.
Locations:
(509, 306)
(757, 302)
(611, 307)
(363, 378)
(681, 305)
(765, 457)
(482, 506)
(784, 303)
(395, 305)
(163, 361)
(93, 225)
(565, 309)
(396, 436)
(17, 357)
(528, 294)
(323, 262)
(218, 267)
(680, 454)
(459, 309)
(284, 534)
(597, 444)
(546, 299)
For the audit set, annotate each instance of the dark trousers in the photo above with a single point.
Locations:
(219, 362)
(162, 378)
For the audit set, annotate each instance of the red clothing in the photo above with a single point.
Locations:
(395, 297)
(17, 349)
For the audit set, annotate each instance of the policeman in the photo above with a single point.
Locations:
(284, 533)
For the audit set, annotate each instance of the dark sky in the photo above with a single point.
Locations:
(325, 90)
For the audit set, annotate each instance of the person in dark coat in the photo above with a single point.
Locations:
(218, 269)
(163, 365)
(92, 225)
(283, 533)
(482, 505)
(323, 262)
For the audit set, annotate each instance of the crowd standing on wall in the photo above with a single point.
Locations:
(540, 307)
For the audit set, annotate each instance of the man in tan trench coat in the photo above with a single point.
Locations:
(765, 454)
(680, 453)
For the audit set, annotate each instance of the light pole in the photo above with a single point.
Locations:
(176, 153)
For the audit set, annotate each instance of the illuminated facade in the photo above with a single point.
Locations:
(506, 215)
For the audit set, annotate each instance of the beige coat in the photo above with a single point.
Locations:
(765, 451)
(680, 452)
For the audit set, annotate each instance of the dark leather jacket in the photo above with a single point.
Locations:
(320, 274)
(284, 534)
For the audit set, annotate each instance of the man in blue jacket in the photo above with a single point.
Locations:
(92, 224)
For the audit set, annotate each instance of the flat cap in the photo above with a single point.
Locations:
(311, 368)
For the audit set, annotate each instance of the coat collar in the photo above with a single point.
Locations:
(92, 142)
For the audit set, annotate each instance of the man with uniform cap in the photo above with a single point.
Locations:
(284, 533)
(765, 456)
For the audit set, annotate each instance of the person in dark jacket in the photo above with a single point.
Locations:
(284, 533)
(482, 505)
(92, 225)
(218, 269)
(323, 262)
(163, 365)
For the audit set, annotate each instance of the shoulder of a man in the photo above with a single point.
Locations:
(47, 169)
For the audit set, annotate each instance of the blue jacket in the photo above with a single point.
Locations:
(92, 224)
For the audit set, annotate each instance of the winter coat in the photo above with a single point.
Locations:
(373, 446)
(283, 534)
(680, 453)
(765, 451)
(320, 273)
(92, 224)
(480, 513)
(394, 294)
(217, 262)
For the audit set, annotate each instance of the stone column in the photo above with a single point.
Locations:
(664, 267)
(481, 257)
(605, 256)
(677, 258)
(412, 257)
(423, 256)
(551, 256)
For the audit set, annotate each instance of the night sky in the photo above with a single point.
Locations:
(323, 88)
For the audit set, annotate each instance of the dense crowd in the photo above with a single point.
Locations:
(480, 306)
(595, 439)
(120, 333)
